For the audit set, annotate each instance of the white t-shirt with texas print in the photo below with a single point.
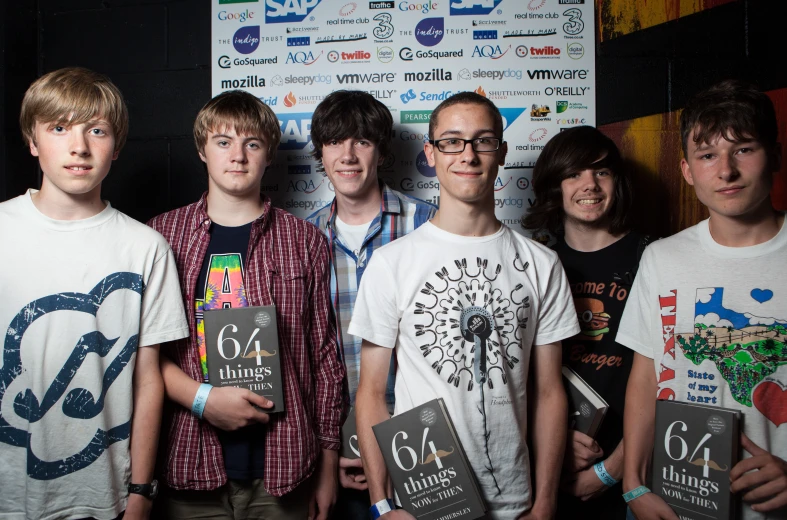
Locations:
(79, 298)
(714, 320)
(419, 294)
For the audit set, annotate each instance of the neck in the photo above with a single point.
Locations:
(59, 205)
(467, 219)
(588, 238)
(748, 230)
(356, 211)
(229, 210)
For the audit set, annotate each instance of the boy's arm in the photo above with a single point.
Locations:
(145, 425)
(550, 418)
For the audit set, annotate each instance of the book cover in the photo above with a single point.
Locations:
(428, 466)
(350, 448)
(586, 408)
(695, 448)
(242, 347)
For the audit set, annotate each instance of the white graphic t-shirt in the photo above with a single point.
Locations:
(79, 298)
(714, 320)
(443, 300)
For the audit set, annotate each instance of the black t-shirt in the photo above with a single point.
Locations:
(600, 284)
(221, 279)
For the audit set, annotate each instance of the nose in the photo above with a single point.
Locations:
(728, 168)
(239, 152)
(348, 150)
(589, 180)
(468, 154)
(79, 146)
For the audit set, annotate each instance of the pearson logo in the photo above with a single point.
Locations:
(473, 7)
(429, 31)
(288, 11)
(295, 130)
(246, 39)
(415, 116)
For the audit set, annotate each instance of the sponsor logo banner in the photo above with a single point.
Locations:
(474, 7)
(288, 11)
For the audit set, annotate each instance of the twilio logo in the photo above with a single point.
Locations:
(357, 55)
(537, 135)
(545, 51)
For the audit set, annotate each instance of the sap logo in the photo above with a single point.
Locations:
(485, 35)
(424, 7)
(288, 11)
(306, 58)
(299, 169)
(490, 51)
(500, 184)
(510, 115)
(246, 39)
(295, 130)
(407, 96)
(429, 31)
(300, 41)
(558, 74)
(473, 7)
(303, 186)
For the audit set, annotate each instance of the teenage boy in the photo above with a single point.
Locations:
(584, 197)
(88, 295)
(714, 283)
(351, 133)
(420, 292)
(227, 458)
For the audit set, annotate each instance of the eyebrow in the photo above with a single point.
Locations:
(477, 132)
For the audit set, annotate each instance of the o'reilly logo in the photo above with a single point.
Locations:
(381, 5)
(247, 82)
(432, 75)
(558, 74)
(375, 77)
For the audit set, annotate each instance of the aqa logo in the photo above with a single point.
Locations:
(473, 7)
(490, 51)
(295, 130)
(429, 31)
(288, 11)
(305, 58)
(247, 39)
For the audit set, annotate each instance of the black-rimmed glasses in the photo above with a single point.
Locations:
(456, 145)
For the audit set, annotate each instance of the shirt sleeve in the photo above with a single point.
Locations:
(636, 324)
(557, 316)
(376, 316)
(163, 316)
(329, 371)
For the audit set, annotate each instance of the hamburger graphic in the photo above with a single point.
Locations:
(593, 321)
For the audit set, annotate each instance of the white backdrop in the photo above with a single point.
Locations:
(534, 58)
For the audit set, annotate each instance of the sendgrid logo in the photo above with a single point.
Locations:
(246, 39)
(288, 11)
(473, 7)
(296, 130)
(429, 31)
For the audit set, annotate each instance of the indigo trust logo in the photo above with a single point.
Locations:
(247, 39)
(79, 403)
(429, 31)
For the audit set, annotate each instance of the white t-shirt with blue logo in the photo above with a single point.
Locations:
(430, 295)
(78, 299)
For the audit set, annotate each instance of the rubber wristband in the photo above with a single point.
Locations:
(381, 507)
(635, 493)
(601, 472)
(198, 406)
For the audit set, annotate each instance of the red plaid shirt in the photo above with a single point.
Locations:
(287, 266)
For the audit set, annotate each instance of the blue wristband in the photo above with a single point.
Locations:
(381, 507)
(635, 493)
(602, 474)
(198, 406)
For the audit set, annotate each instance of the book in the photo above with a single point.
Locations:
(695, 448)
(349, 448)
(242, 347)
(428, 466)
(586, 408)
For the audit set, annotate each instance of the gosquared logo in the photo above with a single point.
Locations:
(473, 7)
(288, 11)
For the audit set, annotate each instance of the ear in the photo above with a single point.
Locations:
(205, 160)
(33, 148)
(503, 151)
(429, 152)
(115, 155)
(686, 169)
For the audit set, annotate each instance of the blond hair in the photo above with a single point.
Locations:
(71, 96)
(241, 111)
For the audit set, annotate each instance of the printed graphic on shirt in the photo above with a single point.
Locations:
(224, 289)
(593, 321)
(745, 346)
(472, 329)
(79, 403)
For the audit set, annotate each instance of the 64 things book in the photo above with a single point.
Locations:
(429, 469)
(695, 447)
(242, 347)
(586, 409)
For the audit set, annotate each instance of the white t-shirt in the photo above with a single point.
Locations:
(351, 235)
(713, 319)
(414, 296)
(79, 297)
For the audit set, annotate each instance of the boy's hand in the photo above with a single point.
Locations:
(351, 474)
(229, 408)
(581, 451)
(767, 486)
(138, 507)
(325, 488)
(652, 507)
(584, 484)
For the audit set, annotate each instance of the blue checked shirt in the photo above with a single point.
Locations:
(399, 215)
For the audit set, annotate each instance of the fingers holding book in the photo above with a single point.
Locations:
(230, 408)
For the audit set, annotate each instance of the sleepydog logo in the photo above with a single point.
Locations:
(79, 403)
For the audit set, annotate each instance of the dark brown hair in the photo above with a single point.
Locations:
(345, 114)
(571, 151)
(732, 109)
(467, 98)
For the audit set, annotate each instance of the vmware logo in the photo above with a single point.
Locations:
(473, 7)
(288, 11)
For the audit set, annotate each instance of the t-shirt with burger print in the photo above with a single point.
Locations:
(600, 283)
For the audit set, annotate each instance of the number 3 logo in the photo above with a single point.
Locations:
(384, 29)
(574, 25)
